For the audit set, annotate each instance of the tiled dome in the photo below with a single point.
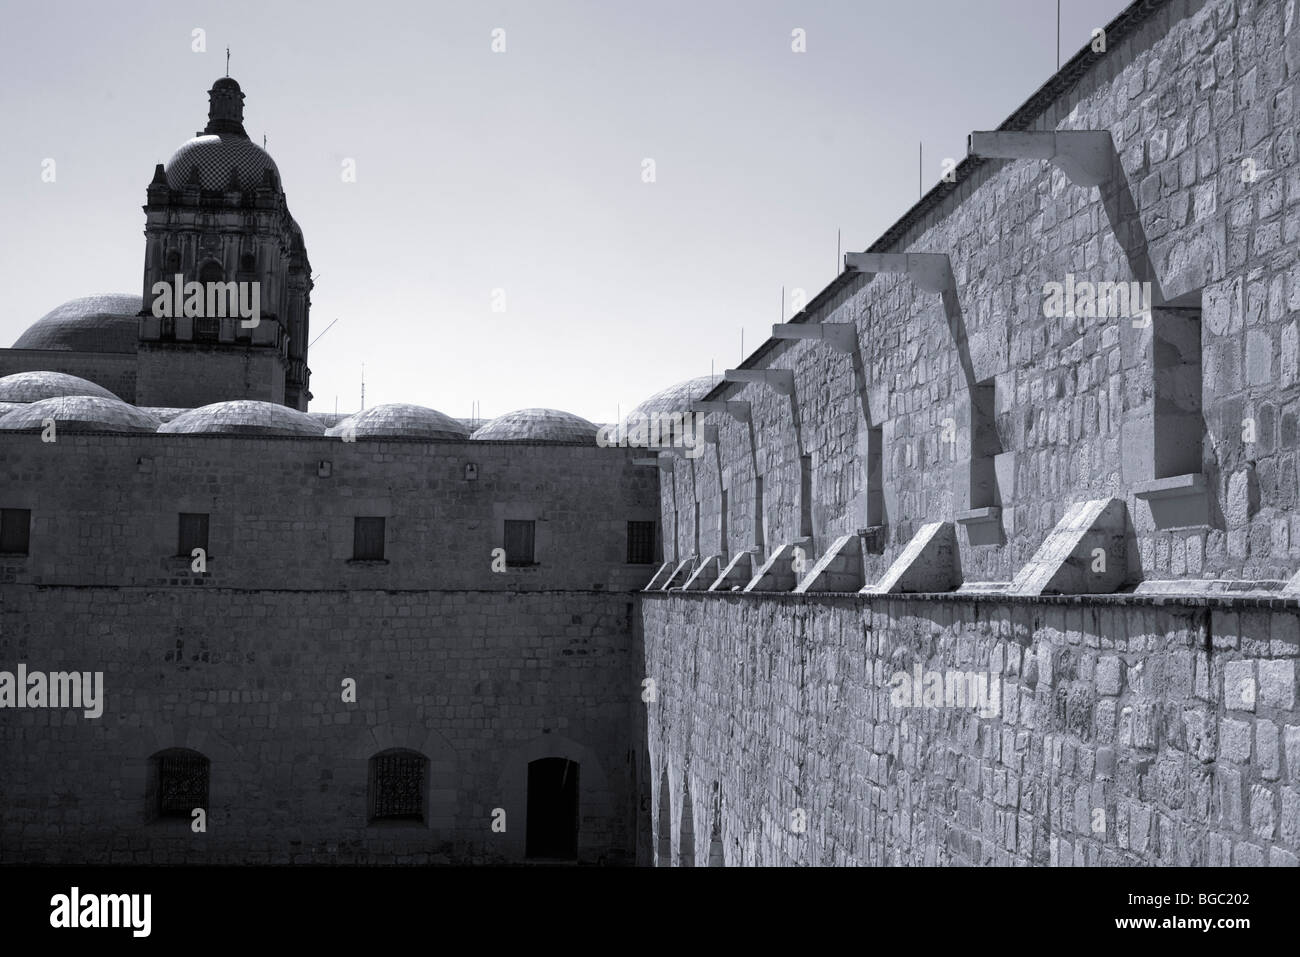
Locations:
(675, 398)
(79, 413)
(215, 155)
(244, 417)
(398, 420)
(105, 323)
(35, 386)
(539, 425)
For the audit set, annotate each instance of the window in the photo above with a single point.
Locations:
(640, 543)
(248, 263)
(519, 542)
(397, 786)
(805, 496)
(211, 271)
(180, 783)
(1178, 425)
(192, 533)
(875, 478)
(15, 530)
(173, 264)
(207, 328)
(367, 539)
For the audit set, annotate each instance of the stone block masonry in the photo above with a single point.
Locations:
(1130, 732)
(480, 683)
(1198, 100)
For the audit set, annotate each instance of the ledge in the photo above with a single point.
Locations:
(1226, 601)
(978, 516)
(1176, 486)
(367, 561)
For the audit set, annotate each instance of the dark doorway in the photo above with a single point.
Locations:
(552, 809)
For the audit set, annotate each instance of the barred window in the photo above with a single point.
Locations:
(397, 786)
(367, 539)
(180, 782)
(15, 530)
(520, 537)
(207, 328)
(192, 533)
(640, 543)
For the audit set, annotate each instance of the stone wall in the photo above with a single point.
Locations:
(1128, 732)
(114, 371)
(105, 511)
(481, 683)
(1198, 99)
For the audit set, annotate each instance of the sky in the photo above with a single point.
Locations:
(595, 212)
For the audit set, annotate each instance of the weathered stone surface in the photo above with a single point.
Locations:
(1085, 554)
(929, 563)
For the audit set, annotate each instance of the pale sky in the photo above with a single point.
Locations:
(519, 171)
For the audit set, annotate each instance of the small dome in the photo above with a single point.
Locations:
(214, 155)
(244, 417)
(398, 420)
(79, 413)
(105, 323)
(226, 83)
(675, 398)
(539, 425)
(35, 386)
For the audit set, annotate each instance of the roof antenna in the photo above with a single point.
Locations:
(263, 141)
(227, 61)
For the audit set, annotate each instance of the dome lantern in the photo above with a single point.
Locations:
(226, 108)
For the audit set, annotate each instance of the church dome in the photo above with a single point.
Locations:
(79, 413)
(35, 386)
(539, 425)
(215, 155)
(244, 417)
(105, 323)
(399, 420)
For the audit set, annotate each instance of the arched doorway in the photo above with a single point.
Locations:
(686, 841)
(552, 817)
(665, 857)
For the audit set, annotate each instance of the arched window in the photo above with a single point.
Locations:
(178, 783)
(552, 825)
(211, 271)
(397, 786)
(248, 263)
(172, 264)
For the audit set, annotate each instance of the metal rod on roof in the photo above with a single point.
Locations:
(322, 332)
(1058, 34)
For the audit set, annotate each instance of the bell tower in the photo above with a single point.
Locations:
(216, 215)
